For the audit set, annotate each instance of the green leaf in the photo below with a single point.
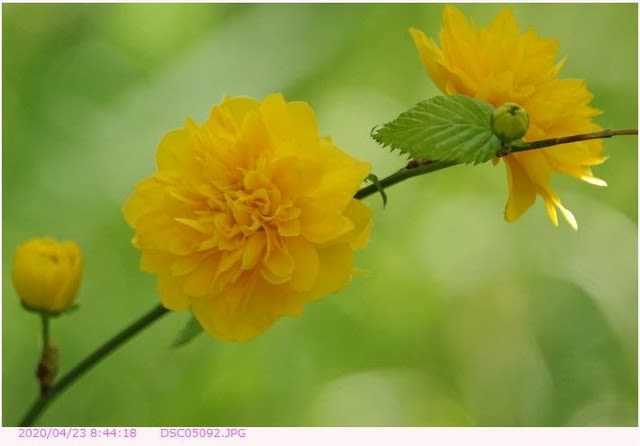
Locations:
(188, 333)
(443, 128)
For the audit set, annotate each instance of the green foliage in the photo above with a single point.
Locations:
(443, 128)
(188, 333)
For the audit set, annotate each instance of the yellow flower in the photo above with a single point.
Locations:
(46, 274)
(498, 64)
(249, 216)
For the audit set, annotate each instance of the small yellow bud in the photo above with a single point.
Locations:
(46, 274)
(510, 121)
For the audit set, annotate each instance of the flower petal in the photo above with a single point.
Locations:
(334, 271)
(305, 257)
(254, 249)
(522, 193)
(172, 295)
(278, 263)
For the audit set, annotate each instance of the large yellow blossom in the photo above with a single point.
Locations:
(498, 64)
(249, 216)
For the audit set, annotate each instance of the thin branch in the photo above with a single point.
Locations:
(569, 139)
(45, 330)
(94, 358)
(416, 168)
(402, 175)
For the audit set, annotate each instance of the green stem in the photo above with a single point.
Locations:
(569, 139)
(94, 358)
(402, 175)
(45, 330)
(422, 169)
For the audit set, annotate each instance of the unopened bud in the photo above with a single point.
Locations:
(510, 121)
(46, 274)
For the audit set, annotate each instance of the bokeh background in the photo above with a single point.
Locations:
(463, 318)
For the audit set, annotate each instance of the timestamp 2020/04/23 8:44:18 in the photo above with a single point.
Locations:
(112, 432)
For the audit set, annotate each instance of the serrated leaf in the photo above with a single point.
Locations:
(188, 333)
(443, 128)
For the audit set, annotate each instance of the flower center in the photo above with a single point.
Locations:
(257, 205)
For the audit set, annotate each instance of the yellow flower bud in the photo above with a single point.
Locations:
(510, 121)
(46, 274)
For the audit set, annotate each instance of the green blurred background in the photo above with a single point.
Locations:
(463, 320)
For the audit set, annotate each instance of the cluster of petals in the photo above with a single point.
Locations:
(249, 216)
(499, 64)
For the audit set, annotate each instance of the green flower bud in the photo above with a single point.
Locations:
(46, 274)
(510, 121)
